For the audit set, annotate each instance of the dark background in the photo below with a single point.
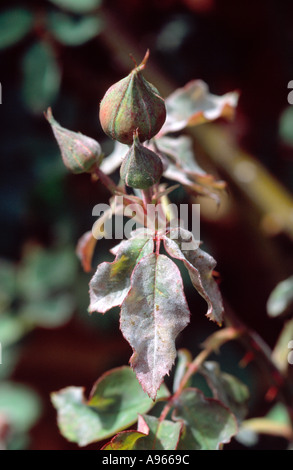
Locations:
(245, 46)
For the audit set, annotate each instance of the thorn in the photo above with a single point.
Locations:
(271, 393)
(248, 357)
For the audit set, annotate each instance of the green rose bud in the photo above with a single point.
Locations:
(141, 168)
(80, 154)
(132, 104)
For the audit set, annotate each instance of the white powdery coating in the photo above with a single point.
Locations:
(154, 312)
(200, 266)
(111, 282)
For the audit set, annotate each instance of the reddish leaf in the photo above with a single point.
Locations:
(85, 249)
(200, 266)
(152, 315)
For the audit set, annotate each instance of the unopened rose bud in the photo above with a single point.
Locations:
(80, 154)
(130, 104)
(141, 168)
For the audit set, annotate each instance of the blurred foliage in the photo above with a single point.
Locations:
(114, 402)
(281, 298)
(14, 25)
(73, 31)
(76, 6)
(35, 293)
(41, 70)
(41, 77)
(286, 126)
(20, 408)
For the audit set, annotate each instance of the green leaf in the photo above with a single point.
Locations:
(111, 282)
(151, 434)
(76, 6)
(48, 313)
(12, 329)
(154, 312)
(44, 272)
(279, 414)
(281, 298)
(20, 405)
(226, 388)
(41, 77)
(194, 104)
(114, 403)
(208, 424)
(15, 23)
(73, 31)
(161, 435)
(276, 423)
(180, 245)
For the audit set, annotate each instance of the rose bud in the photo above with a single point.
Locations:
(130, 104)
(80, 154)
(141, 168)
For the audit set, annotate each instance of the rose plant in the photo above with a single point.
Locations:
(144, 279)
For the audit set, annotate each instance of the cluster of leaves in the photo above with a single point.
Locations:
(37, 292)
(200, 417)
(149, 289)
(117, 401)
(63, 23)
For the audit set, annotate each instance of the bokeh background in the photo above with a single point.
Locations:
(65, 54)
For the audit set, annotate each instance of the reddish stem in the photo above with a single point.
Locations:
(147, 197)
(223, 336)
(98, 174)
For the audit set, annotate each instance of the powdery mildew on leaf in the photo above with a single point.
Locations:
(154, 312)
(193, 104)
(226, 388)
(111, 282)
(200, 266)
(179, 161)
